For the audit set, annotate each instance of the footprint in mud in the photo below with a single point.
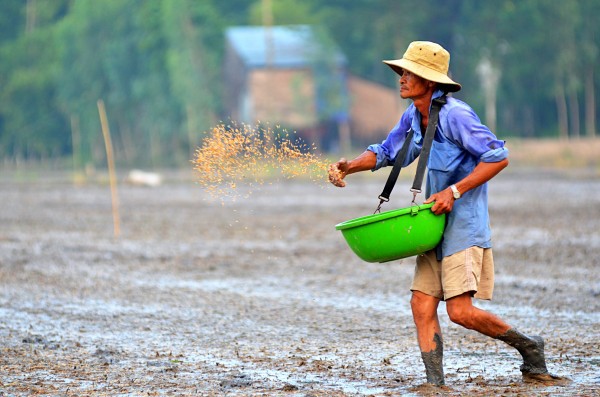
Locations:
(106, 356)
(238, 380)
(34, 339)
(40, 340)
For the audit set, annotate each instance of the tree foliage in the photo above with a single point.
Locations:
(157, 65)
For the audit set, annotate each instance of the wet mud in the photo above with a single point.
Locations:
(262, 297)
(434, 362)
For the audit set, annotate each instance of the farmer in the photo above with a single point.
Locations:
(465, 155)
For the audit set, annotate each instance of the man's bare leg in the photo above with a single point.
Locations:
(461, 311)
(429, 335)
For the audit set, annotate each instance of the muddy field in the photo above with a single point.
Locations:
(262, 297)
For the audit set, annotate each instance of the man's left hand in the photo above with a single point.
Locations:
(444, 201)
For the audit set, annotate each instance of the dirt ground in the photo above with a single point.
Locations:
(262, 296)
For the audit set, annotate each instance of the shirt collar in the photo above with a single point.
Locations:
(437, 94)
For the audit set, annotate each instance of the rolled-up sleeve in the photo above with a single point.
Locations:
(388, 149)
(382, 155)
(494, 155)
(466, 129)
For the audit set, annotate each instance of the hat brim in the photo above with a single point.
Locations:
(398, 65)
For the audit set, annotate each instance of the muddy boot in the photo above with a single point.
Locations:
(531, 348)
(433, 363)
(534, 362)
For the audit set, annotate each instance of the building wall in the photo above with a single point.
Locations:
(282, 96)
(286, 97)
(234, 84)
(374, 110)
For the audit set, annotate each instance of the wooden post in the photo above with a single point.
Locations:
(344, 135)
(76, 145)
(111, 166)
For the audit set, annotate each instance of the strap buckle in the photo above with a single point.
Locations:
(415, 192)
(382, 198)
(381, 201)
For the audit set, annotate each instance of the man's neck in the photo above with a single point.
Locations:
(422, 103)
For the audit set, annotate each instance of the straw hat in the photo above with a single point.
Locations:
(427, 60)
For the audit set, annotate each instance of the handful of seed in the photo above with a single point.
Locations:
(233, 156)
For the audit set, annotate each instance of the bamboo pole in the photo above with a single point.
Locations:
(111, 166)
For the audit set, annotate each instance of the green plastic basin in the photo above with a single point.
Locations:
(395, 234)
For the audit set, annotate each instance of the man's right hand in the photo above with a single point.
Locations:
(337, 172)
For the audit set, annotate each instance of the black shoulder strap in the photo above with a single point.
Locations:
(427, 142)
(395, 172)
(423, 157)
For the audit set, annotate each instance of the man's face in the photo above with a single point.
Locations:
(413, 86)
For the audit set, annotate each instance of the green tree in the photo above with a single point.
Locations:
(31, 123)
(195, 46)
(157, 65)
(588, 38)
(12, 20)
(146, 61)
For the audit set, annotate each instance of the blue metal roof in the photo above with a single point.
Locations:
(279, 46)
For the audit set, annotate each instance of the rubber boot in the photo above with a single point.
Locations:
(433, 361)
(531, 348)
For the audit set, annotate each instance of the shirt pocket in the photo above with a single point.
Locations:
(443, 157)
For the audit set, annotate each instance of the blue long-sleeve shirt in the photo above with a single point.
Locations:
(461, 141)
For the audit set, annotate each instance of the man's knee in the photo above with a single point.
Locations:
(460, 311)
(459, 316)
(424, 307)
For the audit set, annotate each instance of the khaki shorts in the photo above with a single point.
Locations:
(471, 270)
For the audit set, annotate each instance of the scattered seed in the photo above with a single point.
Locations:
(234, 156)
